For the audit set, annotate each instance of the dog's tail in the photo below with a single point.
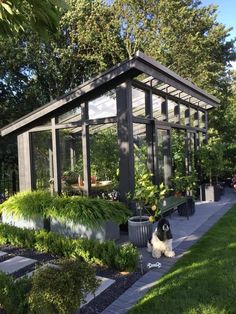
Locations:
(149, 246)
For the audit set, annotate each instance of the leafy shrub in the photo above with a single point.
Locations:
(127, 257)
(91, 212)
(61, 290)
(17, 236)
(13, 294)
(54, 243)
(70, 177)
(107, 253)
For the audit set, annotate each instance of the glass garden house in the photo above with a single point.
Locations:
(93, 139)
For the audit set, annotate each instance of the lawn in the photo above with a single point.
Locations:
(203, 281)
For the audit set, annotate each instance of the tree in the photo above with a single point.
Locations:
(40, 16)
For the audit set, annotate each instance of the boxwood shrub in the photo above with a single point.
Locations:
(123, 258)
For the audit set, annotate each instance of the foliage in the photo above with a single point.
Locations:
(210, 156)
(122, 257)
(181, 180)
(13, 294)
(127, 257)
(40, 16)
(104, 154)
(70, 177)
(61, 290)
(91, 212)
(201, 281)
(146, 193)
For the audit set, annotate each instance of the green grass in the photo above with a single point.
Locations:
(203, 281)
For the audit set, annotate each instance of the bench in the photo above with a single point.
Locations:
(183, 204)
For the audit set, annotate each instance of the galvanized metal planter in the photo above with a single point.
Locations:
(139, 230)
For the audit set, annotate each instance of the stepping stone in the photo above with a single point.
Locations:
(16, 263)
(30, 274)
(2, 253)
(104, 284)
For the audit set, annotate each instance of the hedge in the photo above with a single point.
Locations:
(123, 257)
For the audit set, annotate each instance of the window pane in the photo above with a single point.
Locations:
(172, 116)
(104, 156)
(70, 116)
(71, 159)
(42, 159)
(140, 150)
(157, 102)
(183, 109)
(103, 106)
(138, 102)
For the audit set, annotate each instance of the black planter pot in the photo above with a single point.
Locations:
(187, 209)
(139, 231)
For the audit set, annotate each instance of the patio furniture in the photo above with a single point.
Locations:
(184, 204)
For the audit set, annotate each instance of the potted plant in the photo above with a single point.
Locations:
(146, 195)
(211, 160)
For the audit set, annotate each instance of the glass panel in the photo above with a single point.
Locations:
(179, 159)
(138, 102)
(140, 150)
(172, 117)
(42, 159)
(157, 102)
(201, 119)
(192, 115)
(103, 106)
(70, 116)
(104, 156)
(163, 157)
(71, 160)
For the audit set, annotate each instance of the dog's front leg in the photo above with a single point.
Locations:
(168, 253)
(156, 253)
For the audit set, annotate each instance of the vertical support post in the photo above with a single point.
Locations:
(164, 109)
(125, 138)
(205, 117)
(196, 119)
(56, 157)
(25, 161)
(177, 113)
(187, 118)
(149, 133)
(86, 149)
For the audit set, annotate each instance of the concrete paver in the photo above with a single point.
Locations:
(15, 263)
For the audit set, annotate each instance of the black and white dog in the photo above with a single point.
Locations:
(161, 240)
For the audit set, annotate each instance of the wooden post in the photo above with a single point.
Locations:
(86, 149)
(125, 138)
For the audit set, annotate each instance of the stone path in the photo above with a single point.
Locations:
(185, 234)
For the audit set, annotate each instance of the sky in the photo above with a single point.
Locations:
(226, 14)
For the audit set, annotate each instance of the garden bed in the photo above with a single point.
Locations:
(123, 280)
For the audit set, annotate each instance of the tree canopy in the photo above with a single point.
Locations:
(93, 35)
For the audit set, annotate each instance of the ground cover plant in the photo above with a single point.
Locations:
(203, 281)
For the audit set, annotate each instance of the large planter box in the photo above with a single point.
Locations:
(139, 231)
(210, 193)
(107, 231)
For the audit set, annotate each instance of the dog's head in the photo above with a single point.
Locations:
(163, 230)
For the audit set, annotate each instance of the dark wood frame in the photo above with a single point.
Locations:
(121, 78)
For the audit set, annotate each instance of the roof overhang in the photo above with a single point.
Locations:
(158, 75)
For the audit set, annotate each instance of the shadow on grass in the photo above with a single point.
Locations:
(203, 281)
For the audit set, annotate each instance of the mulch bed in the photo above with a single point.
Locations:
(122, 280)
